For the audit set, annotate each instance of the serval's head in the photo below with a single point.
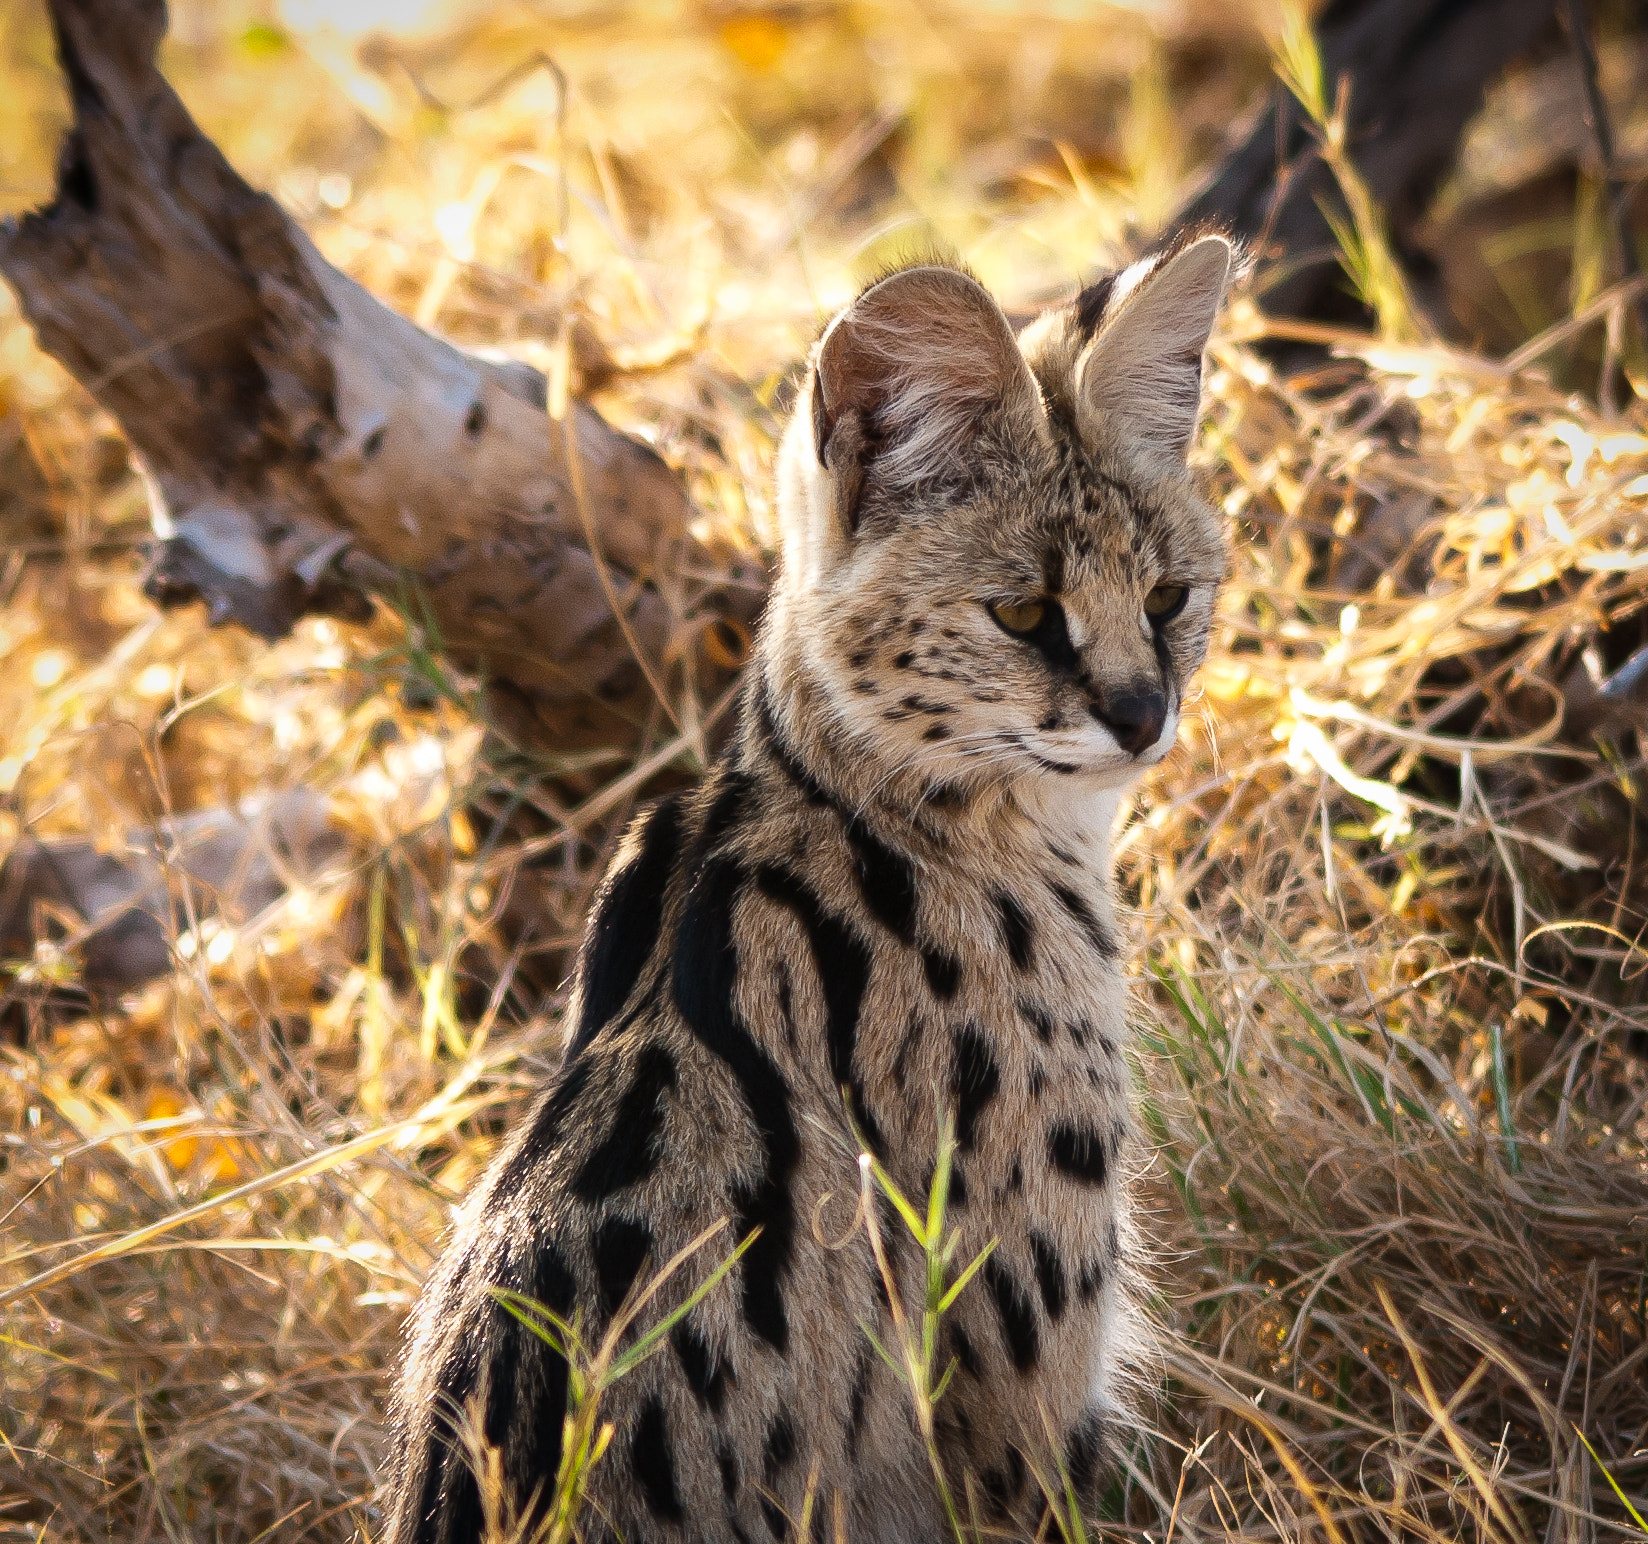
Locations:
(995, 561)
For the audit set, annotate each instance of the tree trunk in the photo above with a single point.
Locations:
(1418, 72)
(305, 445)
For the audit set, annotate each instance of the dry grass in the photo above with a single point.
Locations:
(1389, 911)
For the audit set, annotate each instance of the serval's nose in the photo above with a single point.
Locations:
(1133, 714)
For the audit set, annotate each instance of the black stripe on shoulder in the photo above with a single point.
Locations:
(858, 1402)
(449, 1500)
(778, 1451)
(633, 1145)
(886, 876)
(704, 978)
(623, 928)
(731, 789)
(843, 965)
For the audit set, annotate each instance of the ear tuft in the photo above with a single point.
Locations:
(906, 373)
(1140, 380)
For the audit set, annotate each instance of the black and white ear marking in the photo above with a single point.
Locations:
(1140, 379)
(904, 376)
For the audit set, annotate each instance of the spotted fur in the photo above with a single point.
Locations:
(891, 898)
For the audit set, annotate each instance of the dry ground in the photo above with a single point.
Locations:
(1388, 903)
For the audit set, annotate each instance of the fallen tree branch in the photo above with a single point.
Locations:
(305, 445)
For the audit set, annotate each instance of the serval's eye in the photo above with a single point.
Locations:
(1020, 616)
(1165, 602)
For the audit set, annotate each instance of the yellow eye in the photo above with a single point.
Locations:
(1164, 601)
(1020, 617)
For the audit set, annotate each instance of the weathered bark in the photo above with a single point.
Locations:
(1418, 72)
(306, 445)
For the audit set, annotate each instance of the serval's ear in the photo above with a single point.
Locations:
(1139, 382)
(904, 377)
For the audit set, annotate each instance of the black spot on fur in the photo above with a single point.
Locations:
(621, 1248)
(631, 1150)
(1098, 935)
(1017, 1313)
(778, 1525)
(943, 973)
(1092, 1278)
(1049, 1275)
(537, 1143)
(778, 1451)
(1040, 1021)
(1082, 1450)
(858, 1404)
(449, 1501)
(706, 1374)
(726, 1459)
(958, 1186)
(1016, 930)
(962, 1352)
(905, 660)
(843, 964)
(1015, 1473)
(974, 1081)
(887, 880)
(623, 928)
(654, 1463)
(1078, 1153)
(1003, 1484)
(527, 1381)
(935, 732)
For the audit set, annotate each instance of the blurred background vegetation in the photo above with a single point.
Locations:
(1388, 900)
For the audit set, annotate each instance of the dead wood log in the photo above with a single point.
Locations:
(305, 445)
(1418, 72)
